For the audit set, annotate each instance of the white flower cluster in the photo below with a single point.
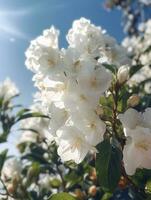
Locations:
(11, 170)
(140, 48)
(137, 128)
(8, 89)
(34, 129)
(70, 83)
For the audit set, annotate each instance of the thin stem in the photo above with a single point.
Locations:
(62, 179)
(115, 104)
(5, 188)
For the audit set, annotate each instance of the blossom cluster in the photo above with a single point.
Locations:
(35, 129)
(11, 174)
(133, 13)
(137, 128)
(71, 81)
(139, 48)
(8, 90)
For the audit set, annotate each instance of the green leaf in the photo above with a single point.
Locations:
(141, 177)
(3, 156)
(108, 165)
(106, 101)
(112, 68)
(22, 111)
(148, 187)
(134, 69)
(148, 197)
(73, 178)
(62, 196)
(3, 137)
(123, 97)
(28, 129)
(31, 114)
(107, 196)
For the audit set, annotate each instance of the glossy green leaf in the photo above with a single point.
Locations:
(112, 68)
(62, 196)
(134, 69)
(22, 111)
(108, 165)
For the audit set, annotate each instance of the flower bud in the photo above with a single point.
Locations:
(123, 74)
(92, 190)
(25, 182)
(79, 194)
(46, 156)
(92, 175)
(133, 100)
(122, 182)
(10, 188)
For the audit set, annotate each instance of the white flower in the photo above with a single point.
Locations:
(58, 118)
(123, 74)
(130, 119)
(34, 128)
(8, 89)
(90, 39)
(28, 136)
(139, 48)
(130, 44)
(137, 150)
(114, 55)
(90, 124)
(43, 54)
(94, 83)
(72, 144)
(147, 117)
(11, 169)
(85, 37)
(75, 99)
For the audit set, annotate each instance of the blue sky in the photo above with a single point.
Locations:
(23, 20)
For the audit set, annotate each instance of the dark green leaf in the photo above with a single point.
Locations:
(108, 165)
(3, 156)
(141, 177)
(22, 111)
(148, 187)
(134, 69)
(29, 115)
(28, 129)
(62, 196)
(112, 68)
